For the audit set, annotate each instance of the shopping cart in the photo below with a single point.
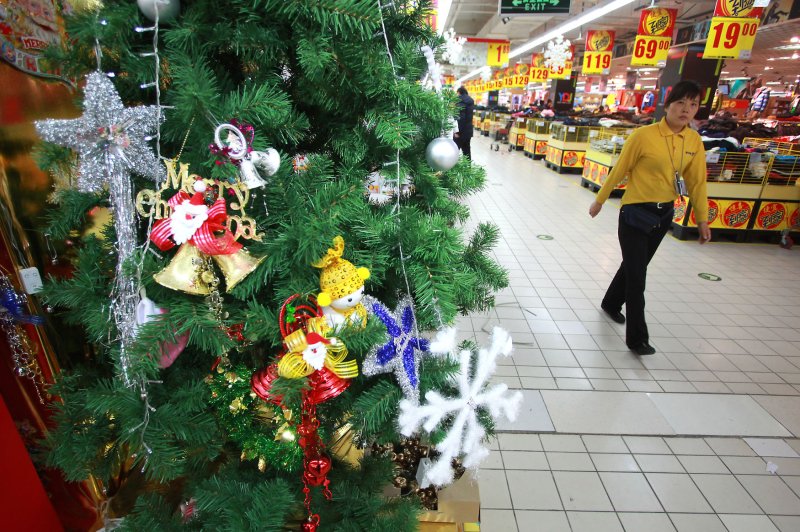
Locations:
(501, 135)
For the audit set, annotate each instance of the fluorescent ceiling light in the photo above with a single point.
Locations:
(585, 18)
(441, 15)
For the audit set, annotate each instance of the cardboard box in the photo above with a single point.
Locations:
(459, 503)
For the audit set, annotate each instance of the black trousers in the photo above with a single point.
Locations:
(463, 145)
(629, 283)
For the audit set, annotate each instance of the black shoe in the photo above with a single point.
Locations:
(643, 349)
(616, 316)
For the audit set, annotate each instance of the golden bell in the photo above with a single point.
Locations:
(182, 273)
(237, 266)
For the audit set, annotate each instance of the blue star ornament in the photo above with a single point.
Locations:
(402, 352)
(111, 139)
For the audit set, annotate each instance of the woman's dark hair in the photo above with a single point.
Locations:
(461, 90)
(681, 90)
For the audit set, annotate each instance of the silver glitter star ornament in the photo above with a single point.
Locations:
(110, 138)
(111, 141)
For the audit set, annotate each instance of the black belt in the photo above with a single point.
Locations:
(660, 206)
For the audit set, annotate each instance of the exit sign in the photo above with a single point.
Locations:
(533, 7)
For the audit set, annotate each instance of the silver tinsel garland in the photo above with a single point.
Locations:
(111, 141)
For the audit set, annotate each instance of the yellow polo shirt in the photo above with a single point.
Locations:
(649, 159)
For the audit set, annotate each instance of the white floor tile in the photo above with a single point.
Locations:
(604, 444)
(646, 522)
(604, 412)
(494, 489)
(498, 520)
(581, 491)
(771, 447)
(697, 522)
(532, 417)
(538, 521)
(533, 490)
(630, 492)
(748, 523)
(677, 493)
(725, 494)
(716, 415)
(594, 522)
(771, 494)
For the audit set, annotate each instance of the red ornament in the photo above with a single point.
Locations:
(325, 385)
(311, 525)
(316, 473)
(261, 384)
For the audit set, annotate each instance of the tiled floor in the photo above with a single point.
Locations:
(700, 437)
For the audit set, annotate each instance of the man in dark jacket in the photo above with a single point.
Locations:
(464, 134)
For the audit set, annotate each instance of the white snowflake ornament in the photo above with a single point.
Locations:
(466, 434)
(558, 52)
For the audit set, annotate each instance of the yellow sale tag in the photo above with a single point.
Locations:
(497, 54)
(731, 38)
(596, 62)
(650, 51)
(564, 72)
(539, 74)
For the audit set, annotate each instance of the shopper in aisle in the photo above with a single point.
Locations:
(661, 161)
(464, 134)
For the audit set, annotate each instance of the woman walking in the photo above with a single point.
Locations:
(661, 161)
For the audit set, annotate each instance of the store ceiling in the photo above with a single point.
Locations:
(480, 18)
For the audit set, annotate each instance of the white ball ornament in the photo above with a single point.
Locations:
(167, 9)
(442, 154)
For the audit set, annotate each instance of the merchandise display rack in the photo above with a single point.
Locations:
(602, 154)
(516, 136)
(750, 195)
(566, 147)
(536, 136)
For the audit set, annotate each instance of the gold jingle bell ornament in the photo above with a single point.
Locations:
(341, 288)
(200, 231)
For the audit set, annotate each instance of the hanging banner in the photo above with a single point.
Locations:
(654, 37)
(740, 8)
(732, 32)
(497, 53)
(539, 72)
(26, 29)
(564, 72)
(731, 38)
(599, 46)
(479, 52)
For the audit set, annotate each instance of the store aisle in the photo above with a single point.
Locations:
(610, 441)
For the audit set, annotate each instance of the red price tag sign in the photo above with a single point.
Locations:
(731, 38)
(596, 62)
(539, 74)
(650, 51)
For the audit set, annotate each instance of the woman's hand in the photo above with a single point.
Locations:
(594, 209)
(705, 232)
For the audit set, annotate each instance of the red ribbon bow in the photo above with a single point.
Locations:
(204, 238)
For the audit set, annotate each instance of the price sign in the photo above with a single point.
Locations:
(731, 38)
(650, 51)
(539, 74)
(497, 54)
(564, 72)
(596, 62)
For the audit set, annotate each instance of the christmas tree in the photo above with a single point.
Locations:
(282, 268)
